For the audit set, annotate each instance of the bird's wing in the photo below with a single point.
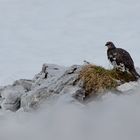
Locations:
(124, 57)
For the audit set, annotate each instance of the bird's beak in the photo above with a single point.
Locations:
(108, 46)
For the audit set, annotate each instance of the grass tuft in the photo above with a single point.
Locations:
(97, 79)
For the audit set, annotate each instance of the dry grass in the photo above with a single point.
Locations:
(97, 79)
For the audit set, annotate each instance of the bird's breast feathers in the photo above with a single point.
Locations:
(120, 66)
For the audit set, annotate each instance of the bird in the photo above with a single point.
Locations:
(121, 59)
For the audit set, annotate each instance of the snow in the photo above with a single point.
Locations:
(66, 32)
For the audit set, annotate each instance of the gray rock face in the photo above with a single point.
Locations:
(11, 97)
(53, 80)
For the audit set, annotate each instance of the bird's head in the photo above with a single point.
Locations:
(110, 45)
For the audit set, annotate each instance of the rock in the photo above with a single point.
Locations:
(52, 82)
(60, 80)
(127, 86)
(11, 97)
(26, 84)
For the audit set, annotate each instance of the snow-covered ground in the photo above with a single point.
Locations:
(66, 32)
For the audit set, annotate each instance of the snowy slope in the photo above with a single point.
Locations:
(66, 32)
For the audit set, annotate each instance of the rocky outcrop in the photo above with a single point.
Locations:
(51, 82)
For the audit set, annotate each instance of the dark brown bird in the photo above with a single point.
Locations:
(121, 59)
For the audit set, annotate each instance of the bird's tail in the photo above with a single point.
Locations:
(135, 74)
